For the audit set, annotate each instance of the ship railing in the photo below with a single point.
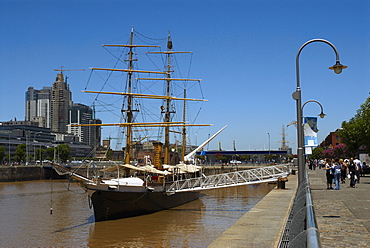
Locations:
(244, 177)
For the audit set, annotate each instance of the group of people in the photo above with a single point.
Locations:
(337, 170)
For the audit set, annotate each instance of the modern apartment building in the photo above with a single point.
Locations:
(82, 114)
(61, 102)
(53, 108)
(38, 106)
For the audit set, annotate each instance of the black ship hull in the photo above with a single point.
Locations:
(111, 205)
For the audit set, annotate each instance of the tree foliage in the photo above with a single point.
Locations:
(50, 153)
(338, 151)
(317, 153)
(64, 152)
(39, 154)
(20, 153)
(355, 133)
(2, 152)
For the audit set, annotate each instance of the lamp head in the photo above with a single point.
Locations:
(338, 67)
(322, 115)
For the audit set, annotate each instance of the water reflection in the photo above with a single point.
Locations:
(195, 224)
(26, 219)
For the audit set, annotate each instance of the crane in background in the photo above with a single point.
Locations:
(62, 69)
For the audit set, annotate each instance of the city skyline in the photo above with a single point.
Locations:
(244, 52)
(53, 108)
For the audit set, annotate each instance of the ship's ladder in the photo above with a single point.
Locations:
(237, 178)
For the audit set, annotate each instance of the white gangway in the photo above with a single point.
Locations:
(237, 178)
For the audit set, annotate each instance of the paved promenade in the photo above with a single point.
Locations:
(343, 216)
(264, 224)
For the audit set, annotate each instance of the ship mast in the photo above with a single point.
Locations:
(183, 144)
(129, 111)
(166, 110)
(129, 104)
(283, 141)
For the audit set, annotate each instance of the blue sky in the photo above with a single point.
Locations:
(244, 52)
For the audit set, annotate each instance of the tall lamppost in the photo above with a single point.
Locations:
(9, 148)
(34, 147)
(297, 95)
(321, 115)
(269, 144)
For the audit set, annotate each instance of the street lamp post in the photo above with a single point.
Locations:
(34, 147)
(297, 95)
(321, 115)
(269, 144)
(9, 149)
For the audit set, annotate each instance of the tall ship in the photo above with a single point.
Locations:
(137, 190)
(130, 188)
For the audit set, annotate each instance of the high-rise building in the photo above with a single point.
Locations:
(82, 114)
(94, 133)
(38, 106)
(52, 107)
(61, 101)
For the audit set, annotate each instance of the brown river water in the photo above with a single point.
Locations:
(26, 220)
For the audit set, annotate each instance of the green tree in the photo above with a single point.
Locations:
(355, 133)
(316, 153)
(50, 153)
(64, 152)
(20, 153)
(245, 157)
(221, 157)
(40, 154)
(2, 152)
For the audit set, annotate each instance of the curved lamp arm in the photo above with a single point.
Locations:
(337, 67)
(322, 115)
(297, 96)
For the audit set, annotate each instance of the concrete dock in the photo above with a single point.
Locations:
(264, 224)
(343, 216)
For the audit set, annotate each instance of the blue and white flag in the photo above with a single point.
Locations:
(310, 131)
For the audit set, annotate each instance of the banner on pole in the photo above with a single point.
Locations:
(310, 131)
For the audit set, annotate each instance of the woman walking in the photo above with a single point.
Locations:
(352, 171)
(329, 174)
(344, 171)
(337, 173)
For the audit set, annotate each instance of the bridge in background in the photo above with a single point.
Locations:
(255, 152)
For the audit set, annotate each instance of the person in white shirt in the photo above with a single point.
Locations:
(359, 169)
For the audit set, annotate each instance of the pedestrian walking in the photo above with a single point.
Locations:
(329, 174)
(321, 163)
(344, 171)
(359, 169)
(364, 167)
(337, 167)
(352, 167)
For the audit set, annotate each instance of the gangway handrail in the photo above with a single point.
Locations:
(244, 177)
